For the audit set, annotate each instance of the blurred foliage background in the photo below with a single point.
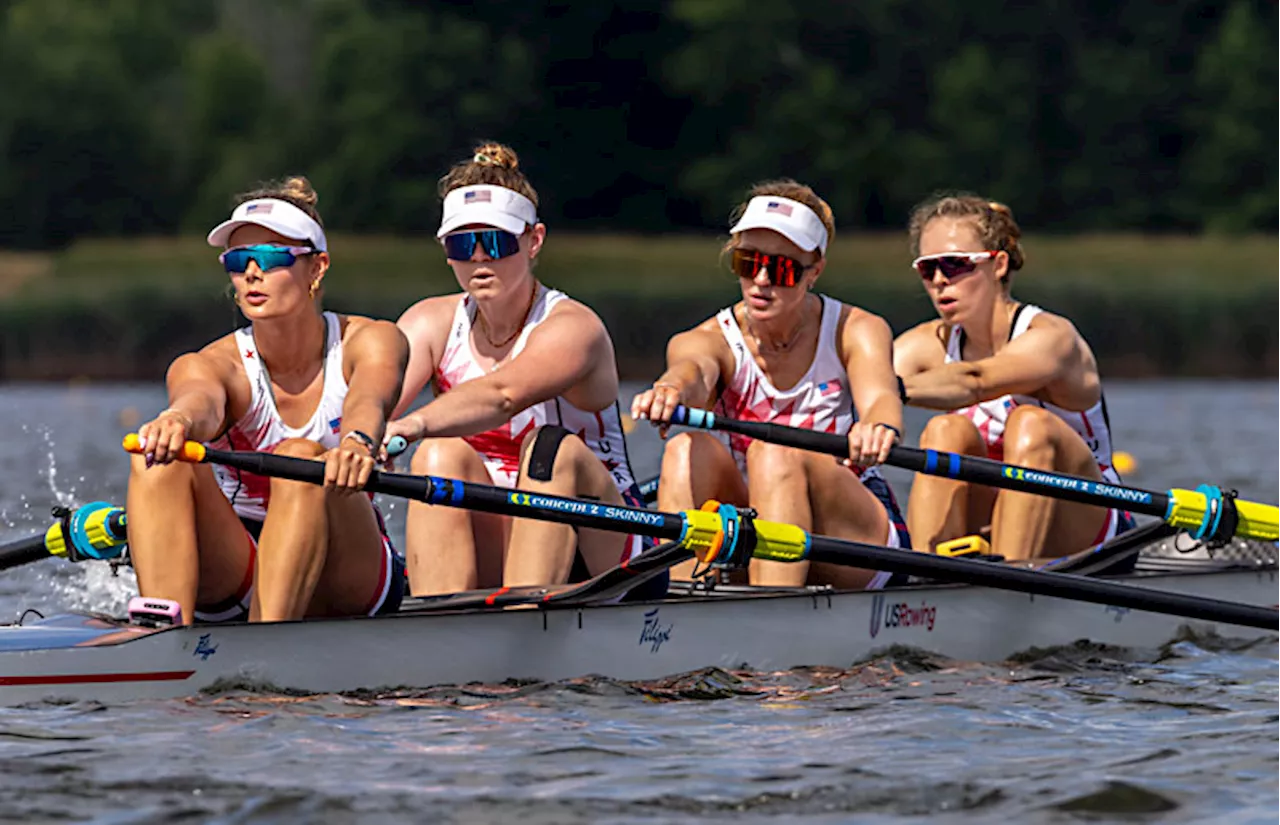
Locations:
(144, 116)
(1136, 142)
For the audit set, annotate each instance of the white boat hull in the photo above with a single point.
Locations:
(104, 662)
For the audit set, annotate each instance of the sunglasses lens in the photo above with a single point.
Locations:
(235, 260)
(267, 258)
(459, 246)
(952, 266)
(782, 271)
(500, 244)
(955, 267)
(496, 243)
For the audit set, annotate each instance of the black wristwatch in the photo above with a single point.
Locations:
(364, 438)
(896, 432)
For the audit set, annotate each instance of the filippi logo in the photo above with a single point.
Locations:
(901, 615)
(654, 633)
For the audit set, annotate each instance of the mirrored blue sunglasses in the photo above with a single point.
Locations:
(496, 243)
(266, 256)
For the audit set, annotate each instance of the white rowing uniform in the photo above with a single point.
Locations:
(821, 401)
(261, 428)
(1092, 425)
(499, 448)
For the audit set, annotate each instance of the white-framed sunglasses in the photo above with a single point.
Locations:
(952, 264)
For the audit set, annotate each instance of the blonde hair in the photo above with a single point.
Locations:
(792, 190)
(993, 221)
(295, 189)
(490, 163)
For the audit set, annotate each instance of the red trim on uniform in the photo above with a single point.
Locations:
(492, 598)
(382, 579)
(247, 584)
(96, 678)
(1112, 515)
(1088, 428)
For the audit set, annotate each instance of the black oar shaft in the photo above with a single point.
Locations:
(949, 465)
(483, 497)
(1021, 580)
(23, 551)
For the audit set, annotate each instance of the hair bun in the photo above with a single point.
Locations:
(496, 154)
(300, 189)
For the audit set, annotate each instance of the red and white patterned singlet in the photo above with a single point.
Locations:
(991, 416)
(261, 428)
(500, 447)
(820, 400)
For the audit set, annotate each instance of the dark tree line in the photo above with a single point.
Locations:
(144, 116)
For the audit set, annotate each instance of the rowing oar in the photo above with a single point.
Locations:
(91, 531)
(1206, 512)
(648, 489)
(727, 537)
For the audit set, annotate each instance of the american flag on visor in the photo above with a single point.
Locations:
(781, 208)
(479, 196)
(264, 208)
(829, 388)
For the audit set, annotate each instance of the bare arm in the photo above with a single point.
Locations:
(1042, 355)
(376, 355)
(696, 361)
(560, 354)
(867, 343)
(197, 408)
(868, 346)
(426, 326)
(918, 349)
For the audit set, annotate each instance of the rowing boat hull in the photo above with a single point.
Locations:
(78, 657)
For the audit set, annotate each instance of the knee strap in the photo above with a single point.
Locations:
(543, 455)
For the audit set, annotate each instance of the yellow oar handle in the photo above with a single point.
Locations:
(705, 533)
(97, 531)
(1187, 510)
(192, 451)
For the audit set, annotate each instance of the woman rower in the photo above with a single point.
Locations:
(297, 381)
(526, 395)
(1018, 384)
(788, 355)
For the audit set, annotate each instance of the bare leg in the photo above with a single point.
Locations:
(185, 540)
(1025, 525)
(941, 509)
(541, 552)
(316, 545)
(449, 549)
(805, 489)
(697, 467)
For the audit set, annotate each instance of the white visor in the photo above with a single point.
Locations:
(487, 206)
(791, 219)
(276, 215)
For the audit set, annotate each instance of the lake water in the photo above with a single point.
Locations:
(1186, 733)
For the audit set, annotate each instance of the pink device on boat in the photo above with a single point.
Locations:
(152, 612)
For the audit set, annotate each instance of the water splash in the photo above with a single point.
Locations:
(95, 589)
(65, 498)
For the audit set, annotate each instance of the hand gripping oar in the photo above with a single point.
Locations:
(91, 531)
(1206, 513)
(729, 537)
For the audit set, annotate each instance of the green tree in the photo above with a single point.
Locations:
(398, 95)
(1230, 166)
(82, 136)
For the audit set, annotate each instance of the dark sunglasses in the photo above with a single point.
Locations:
(496, 243)
(781, 269)
(952, 264)
(266, 256)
